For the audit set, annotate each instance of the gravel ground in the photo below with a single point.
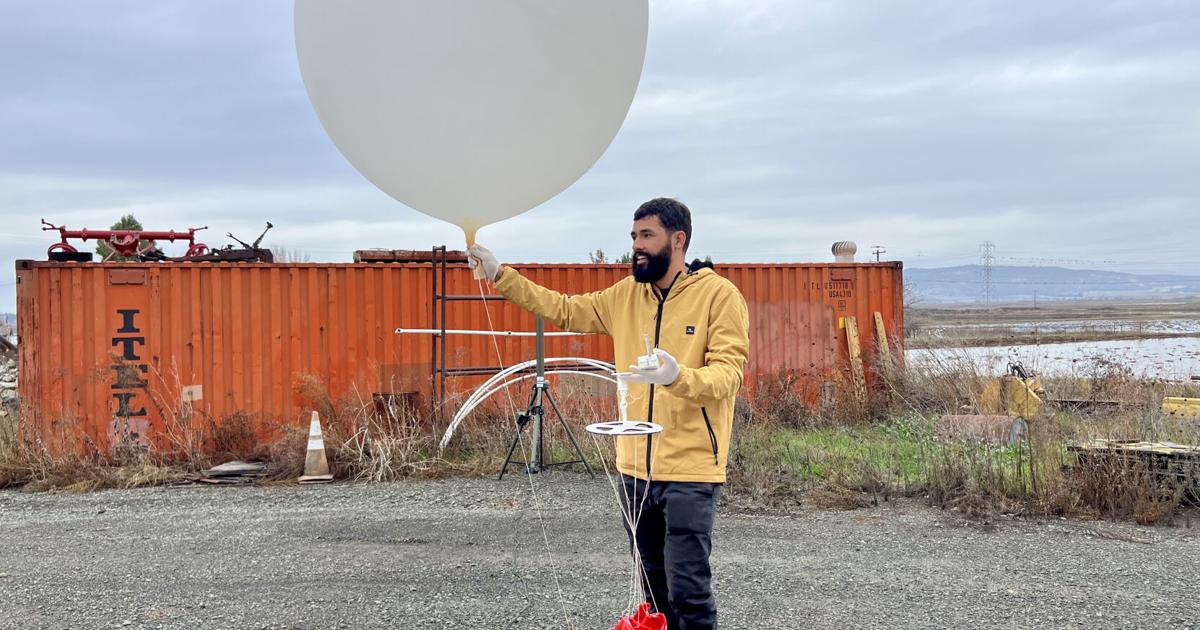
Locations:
(469, 553)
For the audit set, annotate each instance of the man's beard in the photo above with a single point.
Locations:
(656, 266)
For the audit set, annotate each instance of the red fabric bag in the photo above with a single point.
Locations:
(643, 619)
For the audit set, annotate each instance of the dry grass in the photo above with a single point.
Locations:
(785, 454)
(363, 441)
(787, 450)
(28, 463)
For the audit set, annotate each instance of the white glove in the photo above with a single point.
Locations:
(665, 374)
(480, 256)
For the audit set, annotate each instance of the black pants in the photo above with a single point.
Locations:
(674, 537)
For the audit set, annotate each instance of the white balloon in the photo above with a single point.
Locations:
(471, 111)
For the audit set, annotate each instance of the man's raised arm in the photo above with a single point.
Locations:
(587, 313)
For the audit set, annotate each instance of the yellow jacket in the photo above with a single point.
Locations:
(703, 323)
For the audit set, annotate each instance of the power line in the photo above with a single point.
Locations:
(987, 258)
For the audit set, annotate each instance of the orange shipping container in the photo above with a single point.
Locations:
(109, 351)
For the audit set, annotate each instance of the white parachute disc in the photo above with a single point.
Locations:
(618, 428)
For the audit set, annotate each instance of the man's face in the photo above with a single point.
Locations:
(651, 250)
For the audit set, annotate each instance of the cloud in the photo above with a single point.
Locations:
(926, 127)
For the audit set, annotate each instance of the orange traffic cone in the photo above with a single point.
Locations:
(316, 466)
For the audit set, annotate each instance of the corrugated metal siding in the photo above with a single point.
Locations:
(91, 334)
(798, 311)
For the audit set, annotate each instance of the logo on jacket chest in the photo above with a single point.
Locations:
(690, 330)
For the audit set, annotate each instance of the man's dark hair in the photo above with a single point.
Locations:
(674, 216)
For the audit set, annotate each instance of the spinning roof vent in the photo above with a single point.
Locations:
(843, 251)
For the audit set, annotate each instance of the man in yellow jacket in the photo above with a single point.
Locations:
(699, 325)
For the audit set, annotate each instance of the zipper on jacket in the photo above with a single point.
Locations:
(657, 332)
(650, 406)
(712, 436)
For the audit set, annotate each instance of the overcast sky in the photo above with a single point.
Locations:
(1065, 132)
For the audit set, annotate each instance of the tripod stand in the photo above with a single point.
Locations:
(535, 414)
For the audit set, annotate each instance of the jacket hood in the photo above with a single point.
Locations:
(684, 281)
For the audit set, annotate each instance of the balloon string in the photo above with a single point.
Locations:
(632, 519)
(528, 473)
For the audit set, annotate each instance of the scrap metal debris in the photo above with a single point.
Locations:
(406, 256)
(8, 383)
(248, 252)
(235, 472)
(1181, 407)
(1129, 447)
(1175, 465)
(1018, 393)
(990, 429)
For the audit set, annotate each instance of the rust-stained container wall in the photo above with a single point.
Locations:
(115, 347)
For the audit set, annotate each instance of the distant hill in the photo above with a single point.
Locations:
(8, 318)
(1023, 284)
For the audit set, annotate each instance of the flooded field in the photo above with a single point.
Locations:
(1116, 326)
(1175, 359)
(1151, 340)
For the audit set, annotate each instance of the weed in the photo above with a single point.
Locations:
(788, 448)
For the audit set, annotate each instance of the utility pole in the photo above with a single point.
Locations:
(987, 258)
(877, 250)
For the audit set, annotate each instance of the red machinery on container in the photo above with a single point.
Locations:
(142, 246)
(127, 243)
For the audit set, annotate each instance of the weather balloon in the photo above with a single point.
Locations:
(471, 111)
